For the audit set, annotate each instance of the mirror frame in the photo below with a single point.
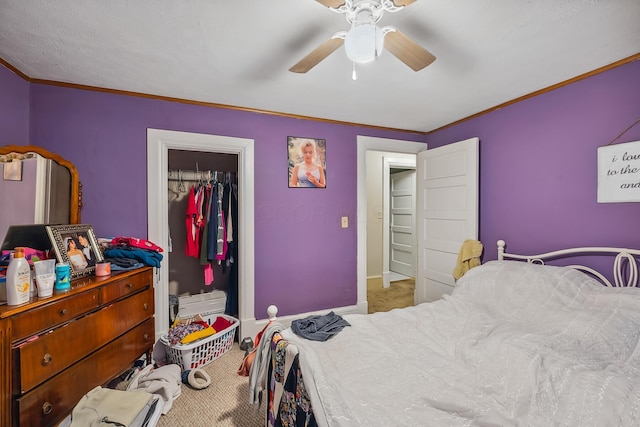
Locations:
(76, 193)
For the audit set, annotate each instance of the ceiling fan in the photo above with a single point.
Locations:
(365, 41)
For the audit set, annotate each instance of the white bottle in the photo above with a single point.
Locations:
(18, 279)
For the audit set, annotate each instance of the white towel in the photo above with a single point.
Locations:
(468, 257)
(165, 381)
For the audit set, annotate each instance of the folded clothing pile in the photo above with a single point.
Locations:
(128, 253)
(104, 406)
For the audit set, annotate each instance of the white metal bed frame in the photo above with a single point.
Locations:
(620, 267)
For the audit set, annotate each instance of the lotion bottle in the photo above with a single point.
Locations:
(18, 279)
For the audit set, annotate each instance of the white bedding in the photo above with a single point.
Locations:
(515, 345)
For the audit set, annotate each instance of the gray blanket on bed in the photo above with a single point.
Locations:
(319, 327)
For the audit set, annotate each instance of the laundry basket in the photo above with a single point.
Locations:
(200, 353)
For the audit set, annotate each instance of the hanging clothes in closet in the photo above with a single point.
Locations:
(230, 200)
(212, 224)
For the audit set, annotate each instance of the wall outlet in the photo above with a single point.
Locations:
(345, 222)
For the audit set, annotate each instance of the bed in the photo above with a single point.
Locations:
(516, 344)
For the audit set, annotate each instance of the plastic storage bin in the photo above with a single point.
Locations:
(200, 353)
(213, 302)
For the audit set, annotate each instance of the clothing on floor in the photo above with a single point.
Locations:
(164, 381)
(104, 405)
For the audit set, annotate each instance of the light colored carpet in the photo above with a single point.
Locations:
(398, 295)
(225, 403)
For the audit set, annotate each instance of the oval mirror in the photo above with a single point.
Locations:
(37, 187)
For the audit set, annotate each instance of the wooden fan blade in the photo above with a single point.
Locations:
(399, 3)
(407, 51)
(334, 3)
(311, 60)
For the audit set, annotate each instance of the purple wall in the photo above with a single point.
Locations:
(304, 260)
(14, 108)
(537, 191)
(18, 197)
(538, 165)
(14, 130)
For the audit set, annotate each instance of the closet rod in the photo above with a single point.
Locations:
(189, 175)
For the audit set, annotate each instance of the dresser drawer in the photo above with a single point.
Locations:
(49, 403)
(56, 350)
(46, 317)
(125, 286)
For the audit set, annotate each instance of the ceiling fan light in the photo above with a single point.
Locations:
(364, 43)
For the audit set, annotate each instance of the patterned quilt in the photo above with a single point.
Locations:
(288, 403)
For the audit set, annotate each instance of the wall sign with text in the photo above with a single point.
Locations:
(619, 173)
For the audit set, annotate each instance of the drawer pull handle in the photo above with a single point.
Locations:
(47, 359)
(63, 312)
(146, 306)
(128, 286)
(146, 337)
(47, 408)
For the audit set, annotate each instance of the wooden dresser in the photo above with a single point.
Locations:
(54, 350)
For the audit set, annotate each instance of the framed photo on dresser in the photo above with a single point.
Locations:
(76, 244)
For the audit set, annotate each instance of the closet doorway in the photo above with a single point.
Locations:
(159, 143)
(203, 182)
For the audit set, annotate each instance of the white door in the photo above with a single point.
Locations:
(447, 213)
(401, 222)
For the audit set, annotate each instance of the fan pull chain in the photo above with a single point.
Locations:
(353, 75)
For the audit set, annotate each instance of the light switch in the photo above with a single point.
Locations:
(345, 222)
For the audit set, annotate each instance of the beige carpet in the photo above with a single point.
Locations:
(398, 295)
(223, 404)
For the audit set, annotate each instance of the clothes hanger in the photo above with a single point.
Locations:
(181, 186)
(198, 175)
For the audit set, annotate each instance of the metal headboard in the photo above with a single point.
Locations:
(621, 255)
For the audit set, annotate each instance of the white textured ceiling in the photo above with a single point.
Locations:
(237, 52)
